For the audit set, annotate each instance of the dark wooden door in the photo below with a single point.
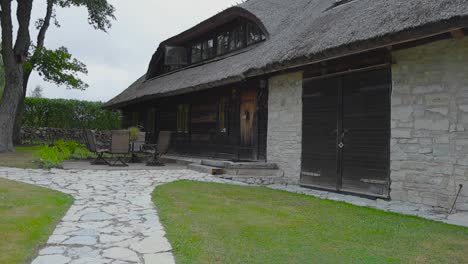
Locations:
(320, 113)
(366, 133)
(248, 106)
(346, 133)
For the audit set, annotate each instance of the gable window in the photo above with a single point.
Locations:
(196, 53)
(183, 118)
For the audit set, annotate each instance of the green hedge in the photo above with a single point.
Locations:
(69, 114)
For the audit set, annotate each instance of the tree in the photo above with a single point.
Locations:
(37, 92)
(2, 77)
(21, 57)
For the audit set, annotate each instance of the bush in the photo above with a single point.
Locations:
(69, 114)
(50, 157)
(53, 156)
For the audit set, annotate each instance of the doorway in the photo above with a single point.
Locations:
(346, 133)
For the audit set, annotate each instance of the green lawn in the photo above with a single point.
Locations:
(28, 215)
(23, 157)
(215, 223)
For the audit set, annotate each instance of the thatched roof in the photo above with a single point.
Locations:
(306, 31)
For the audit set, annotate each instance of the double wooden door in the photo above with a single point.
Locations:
(346, 133)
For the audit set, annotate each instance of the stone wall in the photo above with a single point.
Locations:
(46, 135)
(285, 124)
(430, 124)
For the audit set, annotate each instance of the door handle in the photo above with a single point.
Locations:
(341, 145)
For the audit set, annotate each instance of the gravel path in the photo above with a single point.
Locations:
(112, 220)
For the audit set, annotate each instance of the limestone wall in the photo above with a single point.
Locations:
(285, 124)
(430, 124)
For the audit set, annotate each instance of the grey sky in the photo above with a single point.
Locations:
(122, 55)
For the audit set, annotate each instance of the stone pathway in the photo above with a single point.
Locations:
(112, 220)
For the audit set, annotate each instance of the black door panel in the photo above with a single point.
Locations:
(346, 133)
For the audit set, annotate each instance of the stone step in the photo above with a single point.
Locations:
(214, 163)
(205, 169)
(255, 172)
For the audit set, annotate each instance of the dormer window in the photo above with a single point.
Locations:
(196, 52)
(223, 43)
(208, 50)
(232, 36)
(254, 34)
(237, 38)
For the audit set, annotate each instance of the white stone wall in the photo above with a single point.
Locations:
(430, 124)
(285, 124)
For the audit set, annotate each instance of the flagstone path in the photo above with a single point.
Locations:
(112, 220)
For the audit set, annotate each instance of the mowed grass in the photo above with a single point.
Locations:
(28, 216)
(23, 157)
(216, 223)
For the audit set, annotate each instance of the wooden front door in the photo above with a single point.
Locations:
(248, 107)
(346, 133)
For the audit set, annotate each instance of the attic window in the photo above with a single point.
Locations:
(232, 36)
(196, 52)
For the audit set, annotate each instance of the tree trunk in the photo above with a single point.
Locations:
(27, 74)
(20, 110)
(12, 96)
(13, 59)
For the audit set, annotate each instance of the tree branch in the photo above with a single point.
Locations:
(45, 24)
(7, 32)
(23, 39)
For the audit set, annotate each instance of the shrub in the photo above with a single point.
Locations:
(69, 114)
(53, 156)
(50, 157)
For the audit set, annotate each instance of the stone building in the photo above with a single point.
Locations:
(368, 97)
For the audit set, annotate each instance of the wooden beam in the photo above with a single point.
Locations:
(458, 33)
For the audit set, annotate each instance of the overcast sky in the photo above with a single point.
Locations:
(117, 58)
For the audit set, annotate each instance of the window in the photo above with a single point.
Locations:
(223, 43)
(229, 37)
(183, 118)
(196, 53)
(236, 40)
(208, 51)
(222, 115)
(254, 34)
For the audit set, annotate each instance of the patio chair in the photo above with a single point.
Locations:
(158, 149)
(96, 148)
(120, 146)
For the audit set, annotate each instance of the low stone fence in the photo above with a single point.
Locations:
(47, 135)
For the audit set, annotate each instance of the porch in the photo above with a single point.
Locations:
(228, 122)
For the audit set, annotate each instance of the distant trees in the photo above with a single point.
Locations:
(37, 92)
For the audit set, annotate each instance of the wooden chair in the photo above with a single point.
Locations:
(120, 146)
(94, 147)
(158, 149)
